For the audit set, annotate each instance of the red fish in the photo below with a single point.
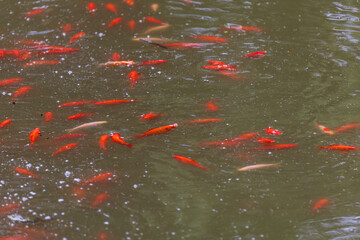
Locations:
(58, 51)
(111, 7)
(26, 172)
(103, 236)
(215, 62)
(255, 54)
(7, 82)
(338, 147)
(220, 67)
(80, 116)
(131, 25)
(79, 192)
(91, 7)
(99, 199)
(116, 56)
(71, 135)
(114, 22)
(76, 103)
(211, 106)
(159, 130)
(34, 135)
(48, 116)
(211, 38)
(265, 140)
(99, 178)
(272, 131)
(133, 77)
(117, 63)
(325, 129)
(276, 147)
(114, 102)
(154, 20)
(76, 37)
(35, 12)
(65, 148)
(189, 161)
(151, 116)
(103, 141)
(5, 123)
(230, 75)
(346, 128)
(21, 91)
(9, 208)
(320, 204)
(115, 137)
(206, 120)
(66, 28)
(245, 137)
(243, 28)
(130, 2)
(41, 62)
(182, 45)
(152, 62)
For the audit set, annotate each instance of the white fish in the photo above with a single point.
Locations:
(256, 166)
(87, 125)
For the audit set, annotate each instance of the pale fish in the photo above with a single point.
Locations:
(256, 166)
(87, 125)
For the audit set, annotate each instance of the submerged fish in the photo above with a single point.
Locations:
(99, 178)
(346, 128)
(320, 204)
(257, 166)
(65, 148)
(325, 129)
(189, 161)
(87, 125)
(26, 172)
(338, 147)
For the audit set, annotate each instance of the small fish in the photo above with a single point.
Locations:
(131, 25)
(230, 75)
(65, 148)
(114, 22)
(21, 91)
(48, 116)
(102, 236)
(149, 39)
(154, 20)
(11, 81)
(66, 28)
(182, 45)
(215, 62)
(99, 199)
(79, 192)
(338, 147)
(115, 56)
(114, 102)
(111, 7)
(115, 137)
(71, 135)
(320, 204)
(211, 39)
(159, 130)
(152, 62)
(133, 77)
(5, 123)
(34, 135)
(91, 7)
(220, 67)
(58, 51)
(80, 116)
(26, 172)
(189, 161)
(257, 166)
(87, 125)
(76, 37)
(157, 28)
(9, 208)
(151, 116)
(41, 62)
(76, 103)
(129, 2)
(265, 141)
(211, 106)
(346, 128)
(272, 131)
(243, 28)
(244, 137)
(255, 54)
(103, 140)
(35, 12)
(117, 63)
(276, 147)
(325, 129)
(154, 7)
(206, 120)
(99, 178)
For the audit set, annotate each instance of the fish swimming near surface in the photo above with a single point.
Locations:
(111, 7)
(347, 127)
(26, 172)
(325, 129)
(159, 130)
(87, 125)
(99, 199)
(11, 81)
(76, 103)
(76, 37)
(256, 166)
(151, 116)
(320, 204)
(5, 123)
(258, 54)
(99, 178)
(103, 140)
(115, 137)
(114, 22)
(271, 131)
(48, 116)
(34, 135)
(65, 148)
(337, 147)
(189, 161)
(115, 102)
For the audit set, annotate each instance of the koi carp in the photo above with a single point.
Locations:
(159, 130)
(115, 137)
(189, 161)
(65, 148)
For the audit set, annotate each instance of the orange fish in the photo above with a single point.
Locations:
(152, 62)
(325, 129)
(206, 120)
(189, 161)
(102, 236)
(71, 135)
(115, 56)
(211, 106)
(99, 199)
(154, 20)
(255, 54)
(48, 116)
(245, 137)
(276, 147)
(220, 67)
(154, 29)
(211, 38)
(114, 22)
(41, 62)
(338, 147)
(115, 137)
(80, 116)
(58, 51)
(158, 130)
(5, 123)
(34, 135)
(21, 91)
(230, 75)
(91, 7)
(79, 192)
(76, 37)
(99, 178)
(66, 28)
(114, 102)
(346, 128)
(151, 116)
(130, 2)
(26, 172)
(35, 12)
(103, 141)
(117, 63)
(76, 103)
(131, 25)
(243, 28)
(215, 62)
(320, 204)
(133, 77)
(9, 208)
(111, 7)
(10, 81)
(67, 147)
(154, 7)
(265, 140)
(272, 131)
